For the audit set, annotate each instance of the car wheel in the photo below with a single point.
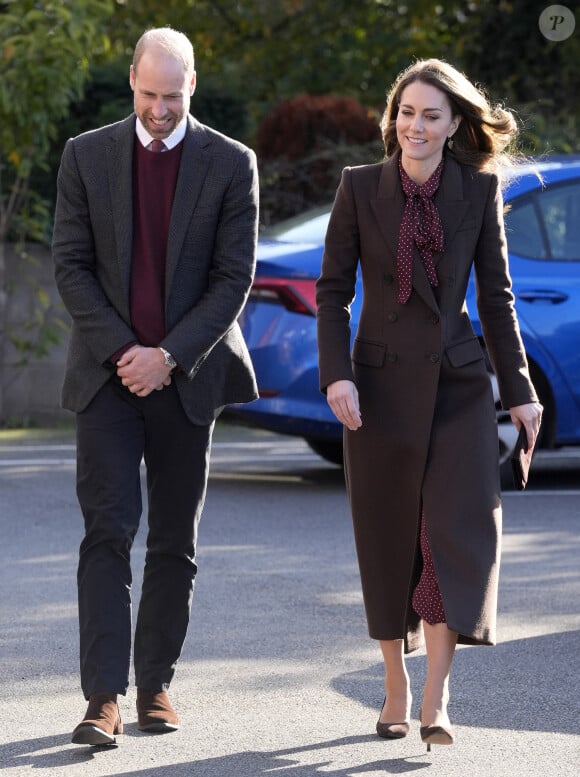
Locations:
(331, 450)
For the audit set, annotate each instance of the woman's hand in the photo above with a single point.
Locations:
(530, 416)
(342, 396)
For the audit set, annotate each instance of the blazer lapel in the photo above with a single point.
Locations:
(389, 205)
(449, 199)
(120, 170)
(195, 161)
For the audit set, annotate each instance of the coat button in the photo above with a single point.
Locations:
(392, 317)
(434, 357)
(392, 357)
(388, 278)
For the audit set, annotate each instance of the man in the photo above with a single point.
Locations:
(154, 257)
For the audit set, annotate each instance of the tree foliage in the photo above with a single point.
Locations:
(501, 46)
(272, 50)
(267, 51)
(43, 66)
(44, 49)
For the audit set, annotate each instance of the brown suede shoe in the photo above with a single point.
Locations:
(155, 713)
(102, 721)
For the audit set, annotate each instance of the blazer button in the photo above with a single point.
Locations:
(434, 318)
(392, 317)
(434, 357)
(392, 357)
(388, 278)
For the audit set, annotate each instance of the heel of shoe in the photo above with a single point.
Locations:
(436, 735)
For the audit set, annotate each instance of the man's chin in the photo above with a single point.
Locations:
(160, 133)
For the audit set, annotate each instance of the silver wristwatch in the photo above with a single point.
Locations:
(169, 360)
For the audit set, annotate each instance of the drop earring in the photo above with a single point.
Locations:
(450, 143)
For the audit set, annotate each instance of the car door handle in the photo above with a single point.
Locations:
(542, 295)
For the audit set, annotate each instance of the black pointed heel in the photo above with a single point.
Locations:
(392, 730)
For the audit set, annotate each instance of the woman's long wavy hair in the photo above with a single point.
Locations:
(485, 130)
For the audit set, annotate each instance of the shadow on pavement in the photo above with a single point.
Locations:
(526, 685)
(246, 764)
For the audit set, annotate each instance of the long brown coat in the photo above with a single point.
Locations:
(429, 436)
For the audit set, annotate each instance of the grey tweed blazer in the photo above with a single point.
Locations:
(210, 263)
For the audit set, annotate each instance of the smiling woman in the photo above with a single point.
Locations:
(413, 393)
(424, 123)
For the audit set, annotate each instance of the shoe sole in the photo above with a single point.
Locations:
(91, 735)
(159, 728)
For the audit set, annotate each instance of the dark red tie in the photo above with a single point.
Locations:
(157, 146)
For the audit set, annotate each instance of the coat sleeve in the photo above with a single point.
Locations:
(335, 288)
(231, 271)
(495, 302)
(75, 265)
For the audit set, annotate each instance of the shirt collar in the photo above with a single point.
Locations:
(176, 136)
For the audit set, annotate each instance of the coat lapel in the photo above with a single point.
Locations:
(388, 208)
(195, 161)
(389, 205)
(119, 157)
(449, 199)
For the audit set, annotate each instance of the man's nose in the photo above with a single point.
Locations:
(158, 108)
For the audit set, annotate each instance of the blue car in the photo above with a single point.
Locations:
(543, 230)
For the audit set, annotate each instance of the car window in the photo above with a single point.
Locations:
(523, 230)
(312, 231)
(560, 210)
(546, 224)
(309, 227)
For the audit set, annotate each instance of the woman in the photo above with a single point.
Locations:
(421, 457)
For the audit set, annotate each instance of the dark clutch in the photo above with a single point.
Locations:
(521, 459)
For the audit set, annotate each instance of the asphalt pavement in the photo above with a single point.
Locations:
(278, 676)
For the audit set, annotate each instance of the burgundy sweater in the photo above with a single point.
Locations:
(154, 181)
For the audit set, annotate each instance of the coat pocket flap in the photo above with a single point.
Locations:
(464, 353)
(369, 353)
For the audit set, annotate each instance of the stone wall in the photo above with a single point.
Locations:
(31, 392)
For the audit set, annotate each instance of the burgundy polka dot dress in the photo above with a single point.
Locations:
(427, 601)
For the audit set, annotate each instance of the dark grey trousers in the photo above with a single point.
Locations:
(114, 434)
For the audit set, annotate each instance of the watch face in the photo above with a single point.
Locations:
(169, 360)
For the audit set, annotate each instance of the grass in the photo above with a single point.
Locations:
(65, 434)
